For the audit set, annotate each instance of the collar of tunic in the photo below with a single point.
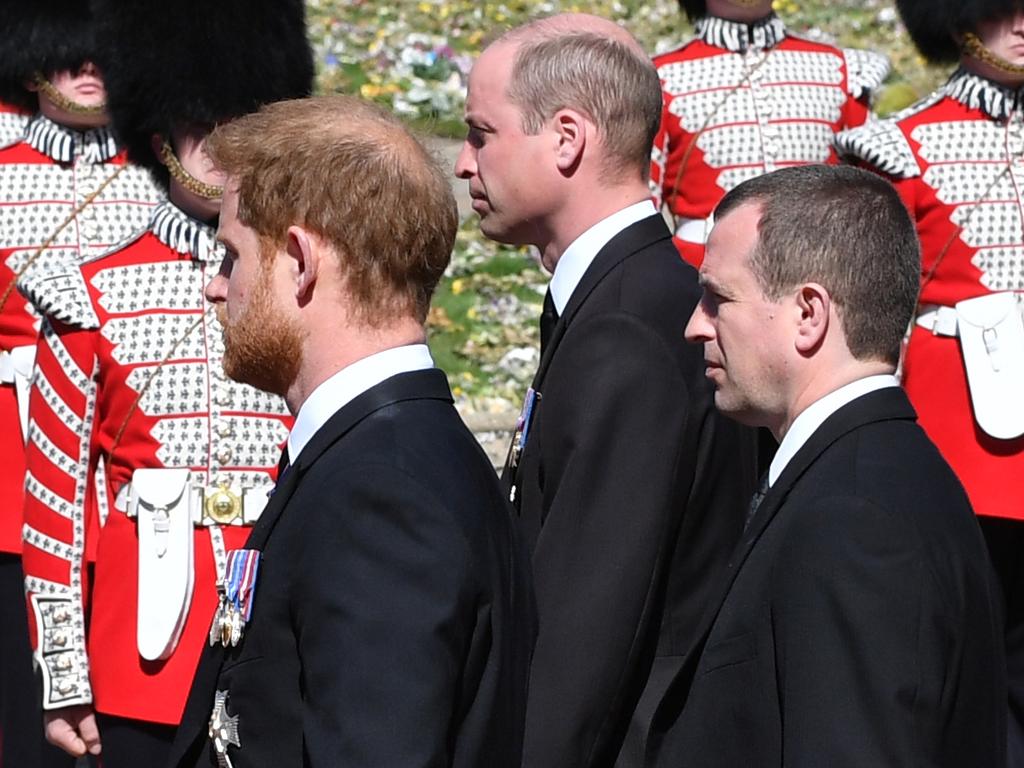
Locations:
(996, 101)
(63, 144)
(179, 231)
(739, 37)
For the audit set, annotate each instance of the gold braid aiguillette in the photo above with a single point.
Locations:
(186, 179)
(62, 101)
(974, 48)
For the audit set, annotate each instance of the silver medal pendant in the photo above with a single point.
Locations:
(223, 730)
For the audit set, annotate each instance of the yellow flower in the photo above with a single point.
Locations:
(369, 90)
(424, 7)
(458, 285)
(471, 313)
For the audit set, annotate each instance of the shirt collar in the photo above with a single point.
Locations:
(812, 417)
(347, 384)
(975, 92)
(581, 252)
(739, 37)
(63, 144)
(179, 231)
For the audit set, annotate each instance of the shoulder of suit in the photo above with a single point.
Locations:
(59, 291)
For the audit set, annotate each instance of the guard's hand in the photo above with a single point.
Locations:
(73, 729)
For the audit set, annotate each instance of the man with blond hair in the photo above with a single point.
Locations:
(628, 487)
(380, 616)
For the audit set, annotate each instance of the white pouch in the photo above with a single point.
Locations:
(991, 332)
(161, 501)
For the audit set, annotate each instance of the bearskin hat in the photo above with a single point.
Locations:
(195, 61)
(693, 9)
(41, 36)
(936, 25)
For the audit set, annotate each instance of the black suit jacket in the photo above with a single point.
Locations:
(858, 622)
(631, 492)
(390, 623)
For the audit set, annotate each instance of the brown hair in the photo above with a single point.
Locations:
(846, 229)
(601, 76)
(352, 174)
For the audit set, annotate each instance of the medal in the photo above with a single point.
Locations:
(523, 425)
(223, 729)
(236, 596)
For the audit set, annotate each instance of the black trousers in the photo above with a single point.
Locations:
(21, 718)
(1005, 539)
(131, 743)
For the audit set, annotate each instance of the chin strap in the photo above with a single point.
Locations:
(63, 102)
(976, 49)
(186, 179)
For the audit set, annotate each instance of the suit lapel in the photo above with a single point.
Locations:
(414, 385)
(881, 405)
(629, 241)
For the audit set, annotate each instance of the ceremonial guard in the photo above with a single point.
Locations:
(957, 159)
(744, 97)
(66, 194)
(129, 378)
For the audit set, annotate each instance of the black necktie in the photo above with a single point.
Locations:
(548, 318)
(755, 500)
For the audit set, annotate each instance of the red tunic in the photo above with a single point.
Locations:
(44, 178)
(129, 370)
(740, 101)
(957, 159)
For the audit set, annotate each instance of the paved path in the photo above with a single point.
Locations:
(448, 150)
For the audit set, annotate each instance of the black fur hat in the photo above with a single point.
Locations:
(693, 9)
(41, 36)
(196, 61)
(935, 25)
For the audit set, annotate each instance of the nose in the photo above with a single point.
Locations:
(699, 329)
(89, 68)
(216, 290)
(465, 163)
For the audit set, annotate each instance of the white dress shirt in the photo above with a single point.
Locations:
(581, 252)
(812, 417)
(347, 384)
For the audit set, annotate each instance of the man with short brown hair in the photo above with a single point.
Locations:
(629, 488)
(389, 623)
(858, 622)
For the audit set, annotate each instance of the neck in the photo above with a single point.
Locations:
(322, 360)
(823, 383)
(584, 210)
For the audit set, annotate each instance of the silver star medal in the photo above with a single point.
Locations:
(223, 729)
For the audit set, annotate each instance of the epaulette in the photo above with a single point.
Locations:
(59, 291)
(882, 144)
(12, 128)
(865, 71)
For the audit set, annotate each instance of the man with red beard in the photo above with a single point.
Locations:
(385, 621)
(66, 195)
(129, 378)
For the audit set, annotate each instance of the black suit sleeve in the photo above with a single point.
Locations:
(383, 616)
(863, 638)
(612, 452)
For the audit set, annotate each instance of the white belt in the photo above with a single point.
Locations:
(212, 505)
(942, 321)
(694, 230)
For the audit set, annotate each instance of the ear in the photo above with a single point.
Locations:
(303, 248)
(814, 306)
(571, 128)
